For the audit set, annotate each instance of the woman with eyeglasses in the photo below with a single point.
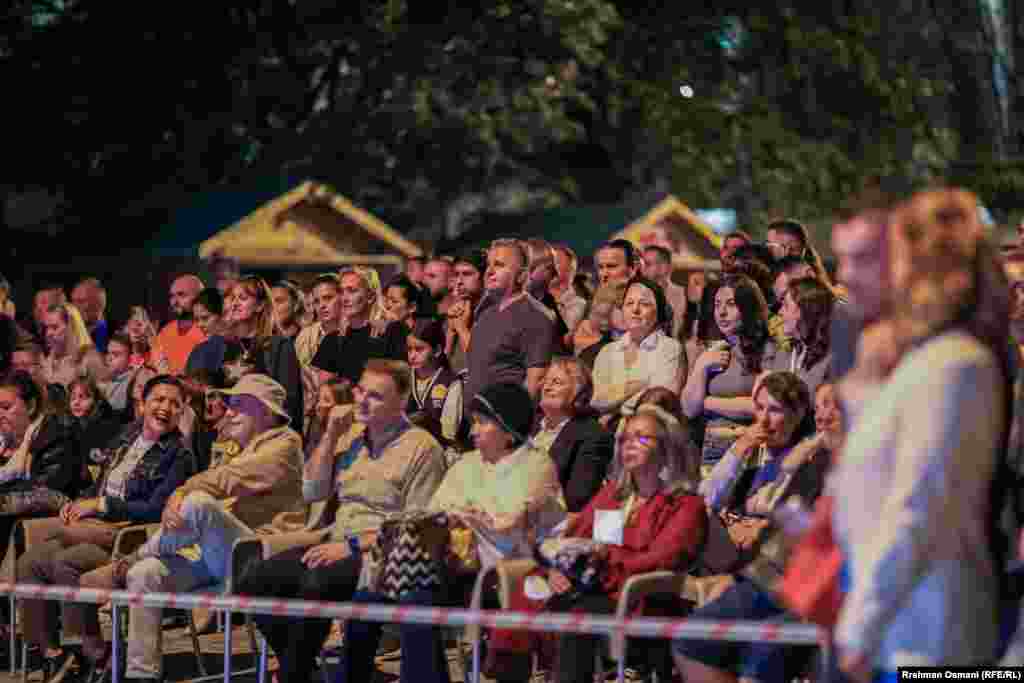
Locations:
(650, 518)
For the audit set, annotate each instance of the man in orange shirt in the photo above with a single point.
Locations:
(176, 341)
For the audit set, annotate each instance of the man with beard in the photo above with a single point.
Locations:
(242, 493)
(344, 353)
(180, 336)
(513, 339)
(467, 290)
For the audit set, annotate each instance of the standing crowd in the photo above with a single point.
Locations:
(647, 419)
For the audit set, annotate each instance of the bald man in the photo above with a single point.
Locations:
(90, 297)
(176, 341)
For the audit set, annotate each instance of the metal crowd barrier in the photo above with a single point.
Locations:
(553, 622)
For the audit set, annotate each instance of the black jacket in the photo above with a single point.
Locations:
(582, 452)
(57, 460)
(98, 429)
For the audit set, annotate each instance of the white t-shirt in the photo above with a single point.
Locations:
(119, 475)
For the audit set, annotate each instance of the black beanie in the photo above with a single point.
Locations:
(509, 405)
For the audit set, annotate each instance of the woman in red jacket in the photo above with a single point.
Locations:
(649, 519)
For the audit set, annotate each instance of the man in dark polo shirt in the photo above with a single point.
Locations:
(344, 353)
(514, 339)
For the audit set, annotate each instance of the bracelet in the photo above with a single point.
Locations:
(353, 545)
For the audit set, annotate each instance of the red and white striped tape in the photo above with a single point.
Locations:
(645, 627)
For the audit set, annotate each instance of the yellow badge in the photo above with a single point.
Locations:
(191, 553)
(438, 392)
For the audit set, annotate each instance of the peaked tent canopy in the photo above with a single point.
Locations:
(673, 225)
(279, 222)
(311, 225)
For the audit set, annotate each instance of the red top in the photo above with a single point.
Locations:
(664, 533)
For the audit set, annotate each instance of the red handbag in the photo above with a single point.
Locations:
(810, 585)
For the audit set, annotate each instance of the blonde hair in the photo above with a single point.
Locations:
(944, 271)
(149, 328)
(371, 280)
(79, 341)
(679, 457)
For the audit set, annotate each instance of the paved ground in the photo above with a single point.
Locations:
(182, 665)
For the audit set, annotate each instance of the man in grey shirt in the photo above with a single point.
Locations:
(514, 339)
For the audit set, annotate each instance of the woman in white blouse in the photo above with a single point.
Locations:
(643, 357)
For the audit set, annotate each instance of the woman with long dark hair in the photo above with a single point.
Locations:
(705, 331)
(806, 320)
(722, 380)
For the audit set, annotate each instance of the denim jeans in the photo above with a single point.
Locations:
(214, 530)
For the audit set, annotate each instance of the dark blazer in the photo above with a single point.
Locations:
(582, 453)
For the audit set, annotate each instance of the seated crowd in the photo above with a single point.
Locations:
(663, 421)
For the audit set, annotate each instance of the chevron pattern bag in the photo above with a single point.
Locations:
(410, 554)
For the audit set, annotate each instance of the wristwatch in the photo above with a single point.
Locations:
(353, 545)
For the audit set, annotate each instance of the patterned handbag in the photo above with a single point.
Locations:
(410, 554)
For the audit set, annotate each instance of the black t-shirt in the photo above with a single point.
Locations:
(346, 356)
(242, 357)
